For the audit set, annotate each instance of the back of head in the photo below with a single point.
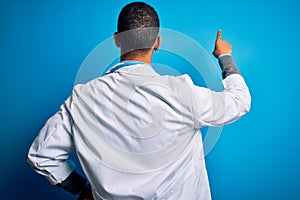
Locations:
(138, 27)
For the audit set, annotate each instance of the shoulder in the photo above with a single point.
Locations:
(182, 80)
(87, 87)
(185, 78)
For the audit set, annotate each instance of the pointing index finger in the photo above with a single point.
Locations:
(219, 34)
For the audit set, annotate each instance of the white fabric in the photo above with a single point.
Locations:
(137, 135)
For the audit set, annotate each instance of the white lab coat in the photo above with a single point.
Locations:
(137, 135)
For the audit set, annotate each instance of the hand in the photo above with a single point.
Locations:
(86, 193)
(221, 46)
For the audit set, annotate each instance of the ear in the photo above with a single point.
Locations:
(117, 42)
(157, 43)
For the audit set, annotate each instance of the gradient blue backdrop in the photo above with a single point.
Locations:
(43, 44)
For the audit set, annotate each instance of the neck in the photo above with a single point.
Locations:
(145, 58)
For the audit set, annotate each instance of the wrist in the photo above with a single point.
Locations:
(74, 184)
(228, 66)
(225, 54)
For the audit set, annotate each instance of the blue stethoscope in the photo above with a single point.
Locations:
(123, 64)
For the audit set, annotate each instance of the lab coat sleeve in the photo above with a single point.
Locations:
(49, 153)
(213, 108)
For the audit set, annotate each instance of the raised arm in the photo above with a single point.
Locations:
(220, 108)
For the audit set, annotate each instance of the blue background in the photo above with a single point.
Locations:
(43, 44)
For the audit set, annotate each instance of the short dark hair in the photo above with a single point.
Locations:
(138, 27)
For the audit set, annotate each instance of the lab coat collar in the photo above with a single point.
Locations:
(141, 69)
